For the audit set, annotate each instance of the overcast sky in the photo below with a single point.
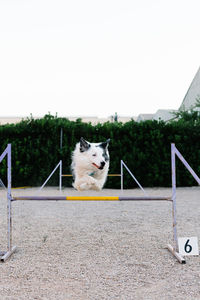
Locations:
(95, 58)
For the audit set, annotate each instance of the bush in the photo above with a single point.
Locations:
(144, 147)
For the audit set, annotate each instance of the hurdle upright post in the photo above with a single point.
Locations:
(60, 176)
(10, 248)
(174, 249)
(173, 167)
(60, 172)
(122, 176)
(9, 208)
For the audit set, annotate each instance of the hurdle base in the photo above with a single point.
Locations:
(5, 255)
(178, 256)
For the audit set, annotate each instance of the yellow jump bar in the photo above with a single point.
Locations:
(94, 198)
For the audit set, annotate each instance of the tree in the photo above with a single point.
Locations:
(190, 116)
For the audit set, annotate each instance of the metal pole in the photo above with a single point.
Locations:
(122, 178)
(61, 138)
(60, 176)
(2, 184)
(50, 175)
(9, 197)
(173, 166)
(182, 159)
(61, 144)
(134, 178)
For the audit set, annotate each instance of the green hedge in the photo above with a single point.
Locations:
(144, 147)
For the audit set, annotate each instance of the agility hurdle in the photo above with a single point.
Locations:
(121, 175)
(103, 198)
(172, 249)
(59, 165)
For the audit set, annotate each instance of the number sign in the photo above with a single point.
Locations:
(188, 246)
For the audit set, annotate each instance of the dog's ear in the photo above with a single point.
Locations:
(84, 146)
(105, 144)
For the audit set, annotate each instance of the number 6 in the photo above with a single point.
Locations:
(188, 248)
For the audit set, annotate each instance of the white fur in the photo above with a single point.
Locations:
(87, 176)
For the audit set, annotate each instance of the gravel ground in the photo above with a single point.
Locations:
(99, 250)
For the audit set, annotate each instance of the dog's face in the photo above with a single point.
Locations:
(96, 153)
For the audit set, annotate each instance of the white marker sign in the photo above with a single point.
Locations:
(188, 246)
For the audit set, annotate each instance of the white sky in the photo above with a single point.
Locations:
(95, 58)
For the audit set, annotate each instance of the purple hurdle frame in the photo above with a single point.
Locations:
(173, 249)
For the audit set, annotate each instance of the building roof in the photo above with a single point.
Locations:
(144, 117)
(164, 115)
(192, 94)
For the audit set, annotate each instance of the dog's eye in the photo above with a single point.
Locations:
(94, 154)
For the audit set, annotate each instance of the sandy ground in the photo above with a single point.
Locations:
(99, 250)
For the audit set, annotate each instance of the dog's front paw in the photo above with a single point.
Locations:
(84, 187)
(87, 183)
(89, 186)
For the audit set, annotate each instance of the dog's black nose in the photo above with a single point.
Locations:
(102, 165)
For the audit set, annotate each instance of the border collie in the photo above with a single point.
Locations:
(90, 164)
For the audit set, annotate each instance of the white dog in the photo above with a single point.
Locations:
(90, 164)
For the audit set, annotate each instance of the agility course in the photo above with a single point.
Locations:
(173, 249)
